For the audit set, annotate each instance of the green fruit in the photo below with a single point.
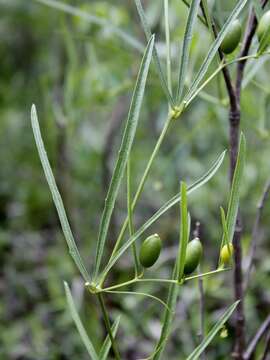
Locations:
(225, 254)
(150, 250)
(193, 256)
(263, 30)
(232, 38)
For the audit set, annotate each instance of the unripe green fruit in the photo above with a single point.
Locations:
(263, 30)
(225, 254)
(232, 38)
(150, 250)
(193, 256)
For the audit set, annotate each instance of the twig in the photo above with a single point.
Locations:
(257, 337)
(255, 233)
(234, 121)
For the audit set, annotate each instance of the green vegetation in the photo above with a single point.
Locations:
(136, 129)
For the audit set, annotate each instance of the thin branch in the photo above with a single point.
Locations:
(249, 33)
(255, 233)
(257, 337)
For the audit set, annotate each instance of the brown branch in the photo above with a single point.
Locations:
(234, 120)
(257, 337)
(255, 233)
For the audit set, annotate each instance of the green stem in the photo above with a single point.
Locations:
(141, 186)
(108, 325)
(130, 220)
(168, 281)
(190, 96)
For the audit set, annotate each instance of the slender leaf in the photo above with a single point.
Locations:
(157, 63)
(257, 6)
(210, 336)
(214, 48)
(127, 140)
(173, 201)
(104, 351)
(183, 237)
(172, 294)
(224, 227)
(235, 190)
(72, 10)
(74, 252)
(168, 44)
(76, 318)
(192, 16)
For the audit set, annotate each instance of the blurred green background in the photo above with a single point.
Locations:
(80, 76)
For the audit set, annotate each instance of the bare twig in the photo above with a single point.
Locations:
(257, 337)
(255, 233)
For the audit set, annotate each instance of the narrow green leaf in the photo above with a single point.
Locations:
(192, 16)
(173, 289)
(157, 63)
(235, 190)
(183, 237)
(168, 316)
(74, 252)
(76, 318)
(224, 227)
(173, 201)
(72, 10)
(130, 218)
(127, 140)
(210, 336)
(168, 44)
(214, 48)
(104, 351)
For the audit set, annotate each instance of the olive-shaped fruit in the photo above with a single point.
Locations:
(225, 254)
(232, 38)
(193, 256)
(150, 250)
(263, 29)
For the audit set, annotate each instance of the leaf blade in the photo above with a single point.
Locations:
(198, 351)
(104, 351)
(148, 34)
(192, 16)
(74, 252)
(76, 318)
(121, 162)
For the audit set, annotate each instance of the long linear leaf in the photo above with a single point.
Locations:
(173, 201)
(235, 190)
(76, 318)
(192, 16)
(173, 292)
(183, 237)
(127, 140)
(157, 63)
(74, 252)
(104, 351)
(198, 351)
(214, 48)
(69, 9)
